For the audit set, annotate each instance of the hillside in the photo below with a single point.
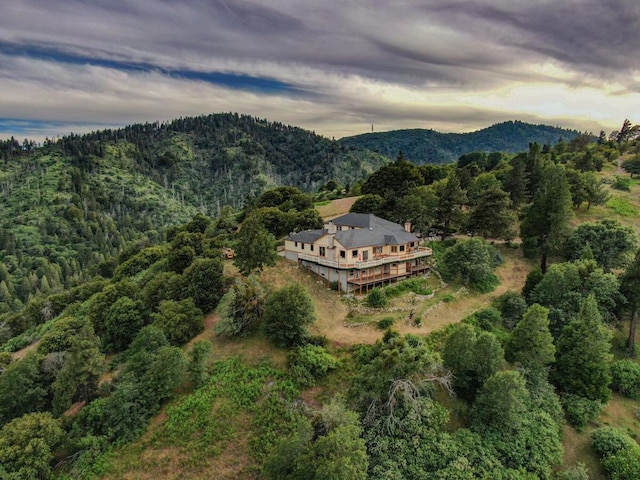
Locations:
(74, 203)
(428, 146)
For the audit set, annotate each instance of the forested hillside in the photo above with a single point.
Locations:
(428, 146)
(159, 357)
(74, 203)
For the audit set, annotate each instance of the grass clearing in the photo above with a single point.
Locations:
(622, 207)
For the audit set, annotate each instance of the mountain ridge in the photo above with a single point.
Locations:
(430, 146)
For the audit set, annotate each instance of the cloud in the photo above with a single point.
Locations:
(334, 67)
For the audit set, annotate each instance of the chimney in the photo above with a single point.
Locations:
(331, 228)
(407, 227)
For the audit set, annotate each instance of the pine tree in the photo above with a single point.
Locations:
(531, 343)
(583, 355)
(545, 225)
(630, 288)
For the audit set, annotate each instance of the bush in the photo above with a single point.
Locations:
(619, 452)
(309, 363)
(579, 410)
(385, 323)
(622, 183)
(609, 441)
(626, 378)
(287, 314)
(377, 298)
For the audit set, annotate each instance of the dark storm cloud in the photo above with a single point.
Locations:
(356, 60)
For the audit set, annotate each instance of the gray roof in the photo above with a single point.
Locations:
(366, 220)
(307, 236)
(370, 231)
(365, 237)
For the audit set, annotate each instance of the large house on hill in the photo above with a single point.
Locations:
(359, 251)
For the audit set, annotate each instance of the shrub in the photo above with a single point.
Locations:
(385, 323)
(377, 298)
(609, 441)
(579, 410)
(626, 378)
(309, 363)
(622, 183)
(619, 452)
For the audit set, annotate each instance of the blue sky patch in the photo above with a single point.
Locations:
(230, 80)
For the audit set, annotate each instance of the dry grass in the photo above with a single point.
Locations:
(336, 207)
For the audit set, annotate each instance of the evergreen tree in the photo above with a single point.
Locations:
(492, 213)
(630, 288)
(451, 197)
(583, 356)
(545, 225)
(531, 342)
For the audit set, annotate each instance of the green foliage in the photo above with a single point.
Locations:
(83, 363)
(309, 363)
(256, 247)
(204, 283)
(428, 146)
(632, 165)
(377, 298)
(512, 306)
(622, 207)
(197, 366)
(580, 410)
(392, 373)
(245, 308)
(583, 355)
(287, 314)
(611, 243)
(385, 323)
(23, 388)
(179, 321)
(565, 286)
(27, 445)
(472, 358)
(139, 262)
(619, 453)
(472, 261)
(531, 343)
(502, 413)
(492, 213)
(370, 203)
(545, 224)
(625, 375)
(330, 448)
(123, 321)
(622, 183)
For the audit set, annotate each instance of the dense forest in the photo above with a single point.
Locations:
(428, 146)
(71, 205)
(152, 355)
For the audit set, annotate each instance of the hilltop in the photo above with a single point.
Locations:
(428, 146)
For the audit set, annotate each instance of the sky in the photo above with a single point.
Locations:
(337, 67)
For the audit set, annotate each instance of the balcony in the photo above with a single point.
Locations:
(376, 261)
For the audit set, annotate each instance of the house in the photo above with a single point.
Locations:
(359, 251)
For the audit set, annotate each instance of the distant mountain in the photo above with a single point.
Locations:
(428, 146)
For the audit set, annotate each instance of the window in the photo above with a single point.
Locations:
(394, 249)
(322, 251)
(378, 250)
(354, 253)
(302, 246)
(402, 248)
(296, 244)
(311, 247)
(412, 244)
(343, 254)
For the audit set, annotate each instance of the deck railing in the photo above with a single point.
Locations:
(418, 252)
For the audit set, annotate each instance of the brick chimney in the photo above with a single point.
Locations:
(407, 227)
(331, 228)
